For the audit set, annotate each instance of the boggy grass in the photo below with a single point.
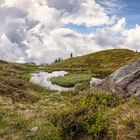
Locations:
(71, 80)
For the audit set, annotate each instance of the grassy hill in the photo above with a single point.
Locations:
(100, 64)
(14, 82)
(29, 112)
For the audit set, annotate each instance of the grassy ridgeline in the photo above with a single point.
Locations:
(100, 64)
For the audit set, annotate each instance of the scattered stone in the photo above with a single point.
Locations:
(95, 81)
(34, 129)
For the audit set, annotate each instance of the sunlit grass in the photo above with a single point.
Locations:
(71, 80)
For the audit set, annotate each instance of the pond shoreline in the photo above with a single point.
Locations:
(43, 79)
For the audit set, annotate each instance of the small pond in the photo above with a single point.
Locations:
(43, 79)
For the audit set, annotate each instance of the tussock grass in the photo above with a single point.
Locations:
(71, 80)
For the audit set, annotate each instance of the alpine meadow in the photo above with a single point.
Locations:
(69, 70)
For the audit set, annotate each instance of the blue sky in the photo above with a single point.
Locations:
(131, 12)
(130, 9)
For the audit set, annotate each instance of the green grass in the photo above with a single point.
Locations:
(98, 116)
(24, 105)
(13, 81)
(86, 115)
(3, 123)
(71, 80)
(100, 64)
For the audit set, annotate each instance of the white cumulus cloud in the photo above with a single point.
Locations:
(34, 30)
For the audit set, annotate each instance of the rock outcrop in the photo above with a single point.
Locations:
(126, 80)
(95, 81)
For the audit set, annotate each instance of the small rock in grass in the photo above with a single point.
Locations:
(34, 129)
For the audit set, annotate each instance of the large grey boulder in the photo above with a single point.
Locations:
(125, 80)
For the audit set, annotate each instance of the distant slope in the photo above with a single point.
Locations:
(99, 63)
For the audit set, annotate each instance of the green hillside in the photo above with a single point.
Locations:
(29, 112)
(14, 82)
(99, 63)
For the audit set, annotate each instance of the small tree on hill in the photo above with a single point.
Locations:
(71, 55)
(59, 59)
(56, 60)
